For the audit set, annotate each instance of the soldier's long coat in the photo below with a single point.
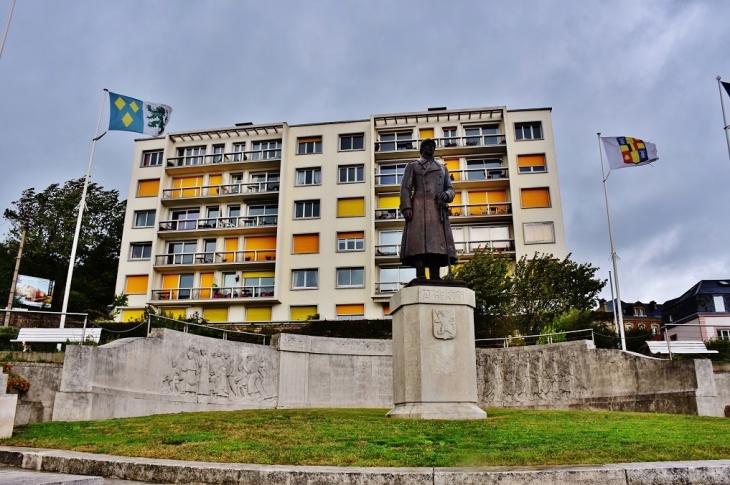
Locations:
(426, 233)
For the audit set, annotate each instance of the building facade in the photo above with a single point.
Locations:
(701, 313)
(278, 222)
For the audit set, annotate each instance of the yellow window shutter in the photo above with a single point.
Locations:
(477, 197)
(176, 313)
(216, 314)
(231, 244)
(357, 309)
(535, 197)
(258, 314)
(170, 281)
(259, 274)
(453, 165)
(351, 207)
(206, 282)
(457, 199)
(259, 242)
(148, 188)
(350, 235)
(131, 315)
(388, 201)
(531, 160)
(302, 312)
(215, 181)
(424, 133)
(137, 284)
(496, 196)
(306, 243)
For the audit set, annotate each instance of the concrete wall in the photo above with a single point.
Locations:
(576, 375)
(36, 405)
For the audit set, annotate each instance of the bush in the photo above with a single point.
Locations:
(722, 346)
(16, 382)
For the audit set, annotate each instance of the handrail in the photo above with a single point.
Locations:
(187, 325)
(213, 292)
(230, 157)
(491, 139)
(393, 286)
(211, 257)
(548, 336)
(217, 222)
(223, 189)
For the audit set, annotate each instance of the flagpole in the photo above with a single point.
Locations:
(614, 256)
(724, 118)
(67, 290)
(7, 26)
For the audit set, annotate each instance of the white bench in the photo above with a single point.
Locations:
(56, 335)
(679, 347)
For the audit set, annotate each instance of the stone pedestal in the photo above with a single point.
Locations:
(434, 359)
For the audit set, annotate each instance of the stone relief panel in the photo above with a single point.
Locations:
(221, 375)
(531, 376)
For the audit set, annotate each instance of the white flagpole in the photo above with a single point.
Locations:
(67, 290)
(614, 256)
(724, 118)
(7, 26)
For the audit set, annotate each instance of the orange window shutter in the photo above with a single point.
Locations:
(357, 309)
(531, 160)
(306, 243)
(260, 242)
(496, 196)
(137, 284)
(457, 199)
(453, 165)
(231, 244)
(480, 199)
(535, 197)
(386, 308)
(148, 188)
(310, 139)
(350, 235)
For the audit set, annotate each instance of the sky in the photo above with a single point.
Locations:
(645, 69)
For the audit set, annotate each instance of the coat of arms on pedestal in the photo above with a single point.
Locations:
(444, 323)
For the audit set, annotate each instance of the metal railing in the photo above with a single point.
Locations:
(478, 174)
(216, 190)
(203, 330)
(492, 139)
(217, 223)
(216, 257)
(468, 247)
(389, 286)
(488, 209)
(546, 338)
(252, 155)
(384, 214)
(213, 292)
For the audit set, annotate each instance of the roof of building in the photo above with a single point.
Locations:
(652, 309)
(704, 287)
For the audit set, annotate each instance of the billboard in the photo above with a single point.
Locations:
(35, 292)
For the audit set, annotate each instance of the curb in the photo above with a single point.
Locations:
(708, 472)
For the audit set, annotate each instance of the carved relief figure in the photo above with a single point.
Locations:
(190, 371)
(535, 375)
(520, 389)
(494, 378)
(565, 375)
(204, 368)
(229, 367)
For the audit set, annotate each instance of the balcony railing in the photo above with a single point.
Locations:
(384, 214)
(254, 155)
(389, 286)
(212, 293)
(216, 257)
(489, 209)
(469, 247)
(469, 175)
(387, 250)
(495, 139)
(216, 190)
(218, 223)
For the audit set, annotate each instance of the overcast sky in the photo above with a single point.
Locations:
(641, 69)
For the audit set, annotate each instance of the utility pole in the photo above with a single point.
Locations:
(15, 274)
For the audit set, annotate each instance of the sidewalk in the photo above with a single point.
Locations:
(175, 471)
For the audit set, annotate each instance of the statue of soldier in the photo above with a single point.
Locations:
(425, 191)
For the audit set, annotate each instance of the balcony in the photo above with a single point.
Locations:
(390, 253)
(212, 293)
(219, 193)
(489, 143)
(250, 257)
(471, 177)
(489, 210)
(217, 225)
(388, 287)
(198, 163)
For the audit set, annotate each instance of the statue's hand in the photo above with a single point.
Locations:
(444, 197)
(408, 214)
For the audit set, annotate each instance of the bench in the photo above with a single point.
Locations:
(56, 335)
(679, 347)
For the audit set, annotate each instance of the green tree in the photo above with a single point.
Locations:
(544, 288)
(51, 216)
(488, 275)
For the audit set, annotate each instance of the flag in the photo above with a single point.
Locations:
(623, 151)
(726, 86)
(130, 114)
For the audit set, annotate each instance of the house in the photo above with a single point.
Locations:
(700, 313)
(637, 315)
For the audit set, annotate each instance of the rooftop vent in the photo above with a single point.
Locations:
(247, 123)
(443, 108)
(724, 283)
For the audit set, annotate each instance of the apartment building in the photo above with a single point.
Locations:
(277, 222)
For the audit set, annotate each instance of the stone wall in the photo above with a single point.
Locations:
(169, 372)
(36, 405)
(576, 375)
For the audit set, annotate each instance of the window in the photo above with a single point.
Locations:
(305, 243)
(306, 209)
(350, 277)
(191, 155)
(723, 334)
(391, 279)
(539, 232)
(238, 152)
(354, 207)
(350, 241)
(531, 163)
(218, 153)
(258, 284)
(352, 142)
(534, 198)
(148, 188)
(304, 278)
(144, 218)
(390, 174)
(136, 285)
(264, 213)
(495, 237)
(450, 137)
(351, 174)
(642, 327)
(208, 251)
(152, 159)
(309, 176)
(350, 312)
(140, 250)
(309, 145)
(303, 312)
(186, 218)
(719, 303)
(395, 141)
(389, 243)
(528, 131)
(264, 182)
(266, 150)
(654, 330)
(181, 252)
(185, 284)
(639, 312)
(478, 135)
(480, 169)
(628, 327)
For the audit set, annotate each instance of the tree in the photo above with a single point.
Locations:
(52, 215)
(544, 288)
(488, 275)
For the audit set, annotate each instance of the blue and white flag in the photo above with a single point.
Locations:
(130, 114)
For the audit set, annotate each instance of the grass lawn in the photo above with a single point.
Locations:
(365, 437)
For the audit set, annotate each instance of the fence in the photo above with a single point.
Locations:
(547, 338)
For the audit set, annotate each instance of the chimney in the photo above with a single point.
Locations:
(652, 305)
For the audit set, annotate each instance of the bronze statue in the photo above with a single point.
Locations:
(425, 191)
